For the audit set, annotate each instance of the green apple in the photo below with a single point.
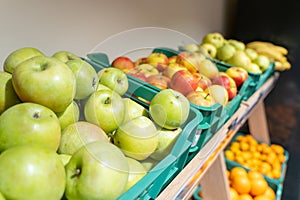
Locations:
(251, 53)
(208, 69)
(209, 49)
(115, 79)
(65, 56)
(133, 110)
(69, 116)
(98, 170)
(169, 109)
(8, 96)
(225, 52)
(86, 78)
(31, 172)
(192, 47)
(238, 45)
(65, 158)
(79, 134)
(136, 172)
(239, 59)
(166, 141)
(18, 56)
(263, 62)
(137, 138)
(29, 123)
(216, 39)
(1, 196)
(46, 81)
(106, 109)
(253, 68)
(102, 87)
(218, 93)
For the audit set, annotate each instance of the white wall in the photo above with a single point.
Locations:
(78, 26)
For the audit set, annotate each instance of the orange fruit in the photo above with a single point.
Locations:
(244, 146)
(253, 142)
(247, 155)
(277, 148)
(245, 197)
(276, 173)
(229, 155)
(281, 158)
(241, 184)
(237, 171)
(271, 158)
(239, 159)
(270, 193)
(233, 194)
(265, 168)
(261, 197)
(254, 175)
(240, 138)
(258, 186)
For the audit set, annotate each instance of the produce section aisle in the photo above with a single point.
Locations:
(208, 166)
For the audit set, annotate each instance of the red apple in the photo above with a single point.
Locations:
(203, 81)
(172, 68)
(159, 81)
(238, 74)
(190, 60)
(158, 60)
(200, 98)
(229, 85)
(183, 82)
(140, 61)
(146, 69)
(123, 63)
(137, 74)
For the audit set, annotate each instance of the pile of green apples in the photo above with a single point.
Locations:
(231, 51)
(69, 132)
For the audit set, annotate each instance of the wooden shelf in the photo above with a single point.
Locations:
(208, 165)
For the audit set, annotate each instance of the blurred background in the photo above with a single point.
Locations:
(78, 26)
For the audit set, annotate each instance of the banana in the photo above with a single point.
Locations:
(282, 66)
(269, 52)
(281, 49)
(260, 44)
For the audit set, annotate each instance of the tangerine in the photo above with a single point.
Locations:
(245, 197)
(258, 187)
(237, 171)
(241, 184)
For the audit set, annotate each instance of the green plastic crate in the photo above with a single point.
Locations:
(273, 180)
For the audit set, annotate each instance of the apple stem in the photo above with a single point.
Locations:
(206, 96)
(77, 173)
(36, 115)
(107, 100)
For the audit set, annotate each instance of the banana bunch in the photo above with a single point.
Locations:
(275, 53)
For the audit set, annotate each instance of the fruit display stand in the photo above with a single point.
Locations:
(208, 166)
